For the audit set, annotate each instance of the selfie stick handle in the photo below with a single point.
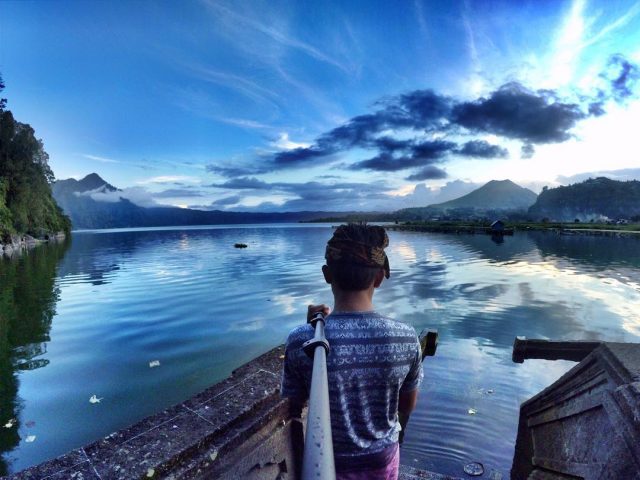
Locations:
(318, 462)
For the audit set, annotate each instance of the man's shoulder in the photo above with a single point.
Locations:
(375, 321)
(300, 334)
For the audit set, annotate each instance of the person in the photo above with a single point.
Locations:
(374, 364)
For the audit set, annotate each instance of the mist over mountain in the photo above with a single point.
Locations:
(495, 196)
(594, 199)
(94, 203)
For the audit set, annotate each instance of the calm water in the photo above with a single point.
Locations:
(87, 318)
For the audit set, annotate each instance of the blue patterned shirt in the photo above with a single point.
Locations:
(372, 360)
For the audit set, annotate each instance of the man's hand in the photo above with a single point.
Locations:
(313, 309)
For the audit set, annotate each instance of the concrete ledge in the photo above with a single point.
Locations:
(188, 440)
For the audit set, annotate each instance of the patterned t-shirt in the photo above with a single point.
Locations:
(372, 360)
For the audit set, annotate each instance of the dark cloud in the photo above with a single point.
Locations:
(622, 76)
(482, 149)
(515, 112)
(222, 202)
(178, 192)
(243, 183)
(421, 110)
(527, 150)
(512, 111)
(232, 172)
(428, 173)
(421, 154)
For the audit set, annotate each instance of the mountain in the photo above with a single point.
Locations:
(78, 200)
(495, 196)
(594, 199)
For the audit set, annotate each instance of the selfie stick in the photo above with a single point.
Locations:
(318, 460)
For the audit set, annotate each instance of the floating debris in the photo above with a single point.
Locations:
(30, 439)
(281, 356)
(490, 391)
(213, 455)
(240, 245)
(154, 363)
(10, 423)
(150, 473)
(475, 469)
(472, 411)
(95, 399)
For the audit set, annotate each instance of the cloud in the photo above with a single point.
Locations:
(421, 154)
(225, 201)
(283, 143)
(177, 193)
(622, 76)
(482, 149)
(272, 32)
(244, 183)
(137, 195)
(421, 128)
(100, 159)
(527, 151)
(428, 173)
(232, 172)
(624, 174)
(169, 179)
(516, 112)
(422, 110)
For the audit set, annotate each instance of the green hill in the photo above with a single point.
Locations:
(593, 199)
(494, 196)
(26, 204)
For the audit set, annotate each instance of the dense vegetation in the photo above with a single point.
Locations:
(26, 204)
(595, 199)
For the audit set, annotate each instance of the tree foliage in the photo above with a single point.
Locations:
(26, 204)
(596, 198)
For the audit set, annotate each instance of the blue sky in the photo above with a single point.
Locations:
(325, 106)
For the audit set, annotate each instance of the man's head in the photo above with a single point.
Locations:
(355, 257)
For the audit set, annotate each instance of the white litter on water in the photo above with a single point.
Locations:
(475, 469)
(472, 411)
(490, 391)
(95, 399)
(10, 423)
(155, 363)
(151, 472)
(30, 439)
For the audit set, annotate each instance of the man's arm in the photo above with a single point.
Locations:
(406, 404)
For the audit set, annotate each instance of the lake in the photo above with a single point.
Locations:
(87, 318)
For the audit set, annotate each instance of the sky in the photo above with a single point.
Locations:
(334, 106)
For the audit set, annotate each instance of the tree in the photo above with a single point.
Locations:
(26, 204)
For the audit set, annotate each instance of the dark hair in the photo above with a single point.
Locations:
(351, 276)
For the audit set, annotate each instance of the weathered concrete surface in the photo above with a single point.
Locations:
(239, 428)
(587, 424)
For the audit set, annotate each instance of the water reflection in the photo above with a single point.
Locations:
(28, 296)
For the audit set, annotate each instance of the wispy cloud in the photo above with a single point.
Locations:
(620, 22)
(169, 179)
(101, 159)
(567, 47)
(278, 35)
